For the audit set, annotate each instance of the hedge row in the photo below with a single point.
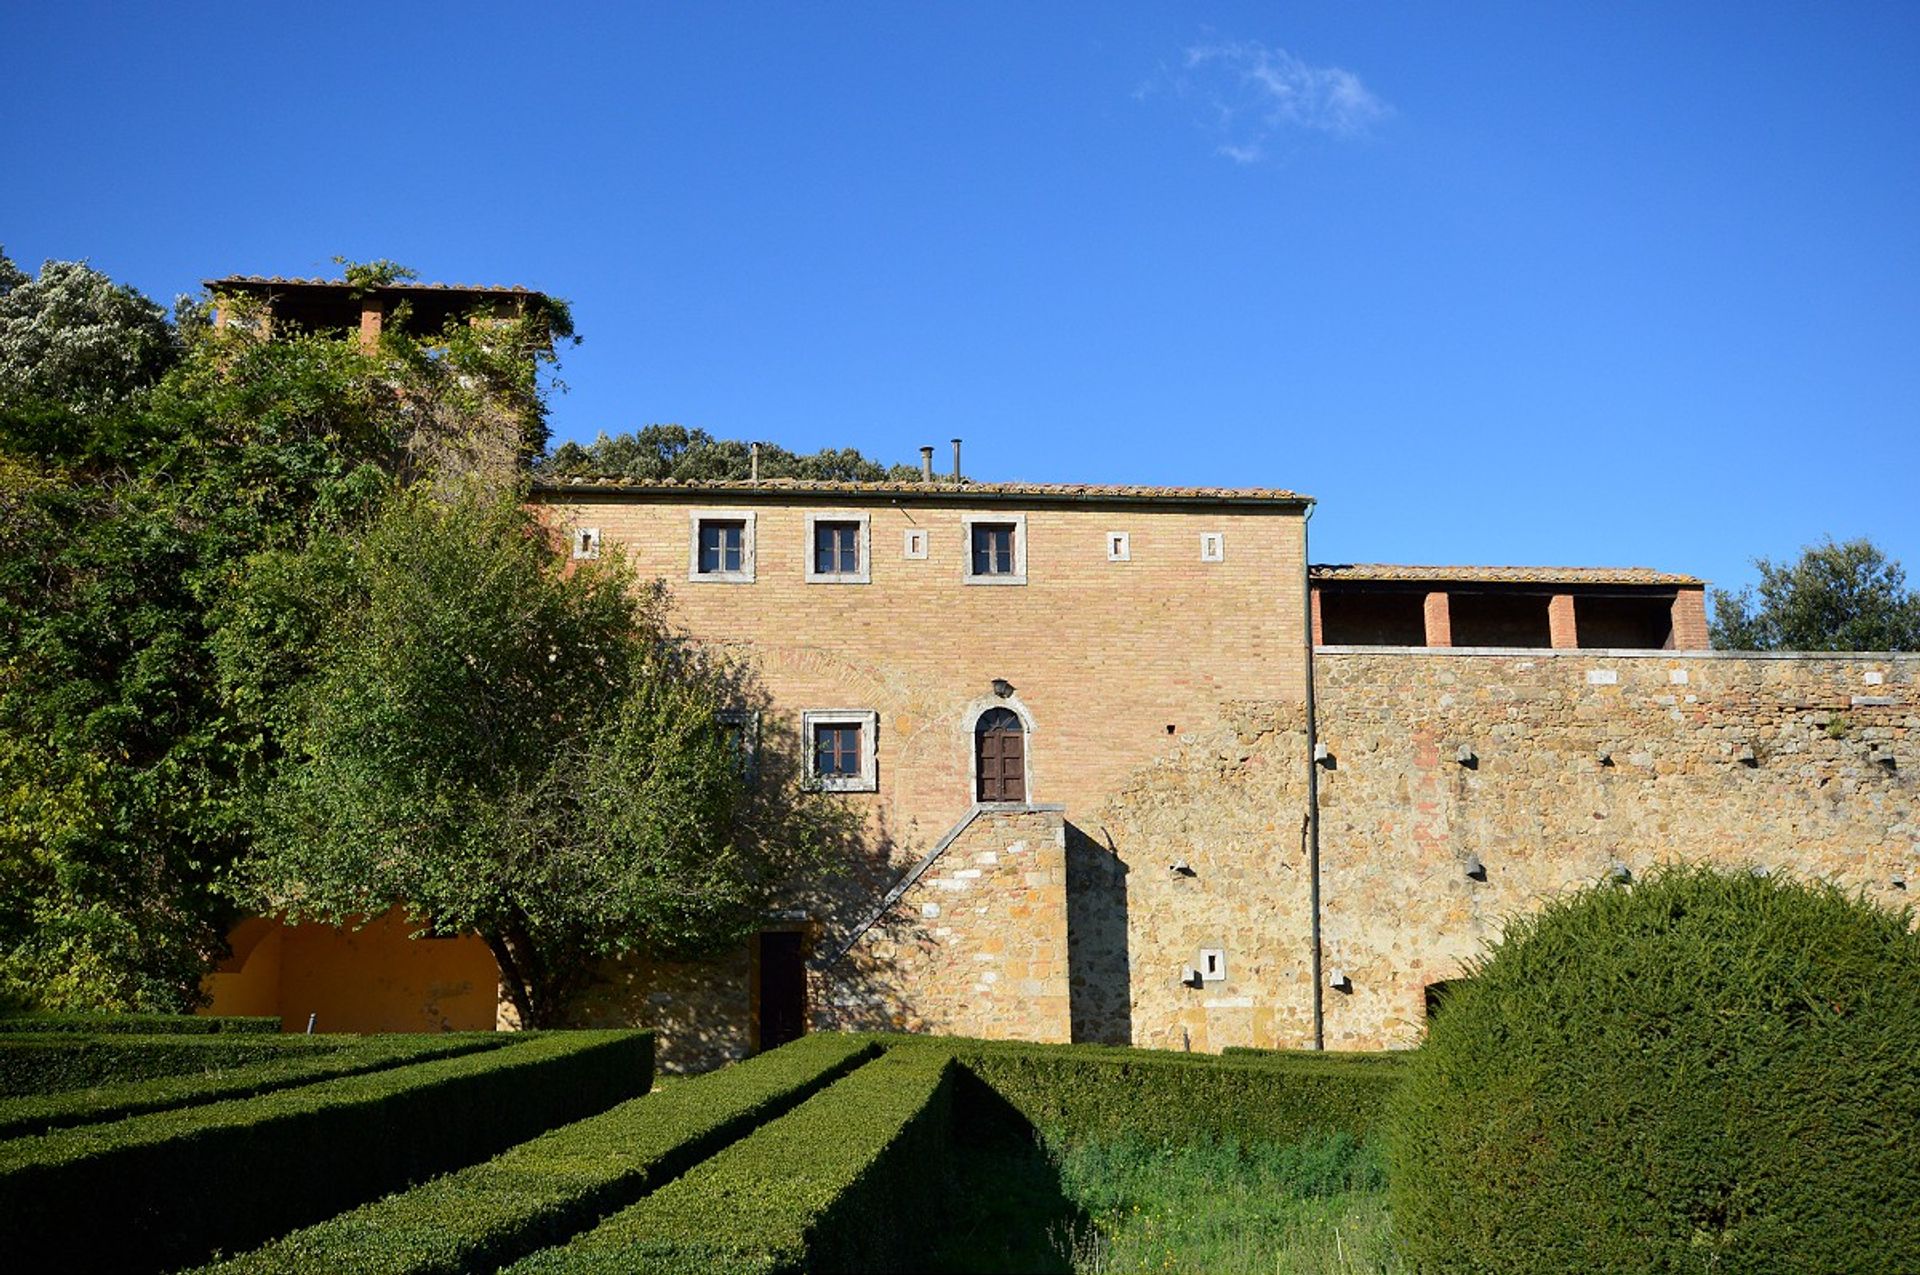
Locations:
(544, 1191)
(855, 1178)
(282, 1068)
(159, 1191)
(137, 1024)
(67, 1060)
(1081, 1091)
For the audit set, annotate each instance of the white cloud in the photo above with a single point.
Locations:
(1252, 93)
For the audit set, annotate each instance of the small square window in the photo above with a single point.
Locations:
(1213, 546)
(840, 749)
(837, 548)
(996, 550)
(721, 548)
(586, 542)
(915, 543)
(1119, 547)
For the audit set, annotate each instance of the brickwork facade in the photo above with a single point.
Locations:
(1155, 655)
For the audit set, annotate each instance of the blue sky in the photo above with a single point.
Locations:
(1497, 283)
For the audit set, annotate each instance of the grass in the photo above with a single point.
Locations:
(1316, 1207)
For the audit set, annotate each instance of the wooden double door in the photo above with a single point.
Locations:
(1000, 757)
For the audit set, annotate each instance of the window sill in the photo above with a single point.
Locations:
(995, 579)
(720, 577)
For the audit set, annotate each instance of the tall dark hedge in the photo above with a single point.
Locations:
(1700, 1071)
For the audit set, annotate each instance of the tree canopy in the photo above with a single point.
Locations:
(674, 452)
(509, 747)
(141, 464)
(1839, 596)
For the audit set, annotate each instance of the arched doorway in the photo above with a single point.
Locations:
(1000, 756)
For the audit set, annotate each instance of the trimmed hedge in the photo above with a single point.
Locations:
(542, 1192)
(65, 1060)
(1700, 1071)
(159, 1191)
(854, 1179)
(138, 1024)
(1074, 1092)
(298, 1065)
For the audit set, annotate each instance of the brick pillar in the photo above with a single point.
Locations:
(371, 317)
(1690, 620)
(1439, 620)
(1560, 625)
(1319, 633)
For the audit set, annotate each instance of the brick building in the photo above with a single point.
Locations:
(1132, 771)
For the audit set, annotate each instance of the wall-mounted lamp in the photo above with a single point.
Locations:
(1621, 874)
(1476, 870)
(1339, 982)
(1466, 757)
(1002, 687)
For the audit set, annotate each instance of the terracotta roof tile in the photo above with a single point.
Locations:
(939, 489)
(1386, 571)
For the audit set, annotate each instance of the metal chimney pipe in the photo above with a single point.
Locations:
(753, 453)
(926, 464)
(956, 460)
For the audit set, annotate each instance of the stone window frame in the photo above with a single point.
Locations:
(1018, 522)
(1119, 546)
(1213, 546)
(971, 721)
(747, 720)
(586, 543)
(868, 720)
(913, 544)
(745, 575)
(863, 543)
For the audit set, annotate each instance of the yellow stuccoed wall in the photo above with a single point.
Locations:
(1131, 672)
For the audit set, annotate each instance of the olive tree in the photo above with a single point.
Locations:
(508, 744)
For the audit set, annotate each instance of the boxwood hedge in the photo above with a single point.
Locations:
(1074, 1092)
(544, 1191)
(855, 1178)
(158, 1191)
(137, 1024)
(1699, 1071)
(57, 1061)
(282, 1067)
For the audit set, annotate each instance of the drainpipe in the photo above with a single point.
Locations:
(1313, 797)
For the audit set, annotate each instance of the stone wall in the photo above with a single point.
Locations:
(976, 946)
(1576, 761)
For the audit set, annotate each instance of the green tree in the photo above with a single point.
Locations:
(660, 453)
(140, 466)
(507, 746)
(1840, 596)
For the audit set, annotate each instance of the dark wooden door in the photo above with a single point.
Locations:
(783, 987)
(1001, 757)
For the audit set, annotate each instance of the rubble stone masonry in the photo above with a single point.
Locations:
(1580, 761)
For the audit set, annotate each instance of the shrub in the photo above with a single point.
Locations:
(542, 1192)
(1071, 1092)
(1699, 1071)
(281, 1067)
(67, 1060)
(158, 1191)
(138, 1024)
(853, 1179)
